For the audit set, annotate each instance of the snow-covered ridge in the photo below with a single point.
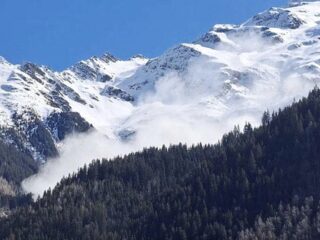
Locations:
(227, 76)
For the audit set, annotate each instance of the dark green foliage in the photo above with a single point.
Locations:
(234, 189)
(297, 220)
(12, 202)
(14, 164)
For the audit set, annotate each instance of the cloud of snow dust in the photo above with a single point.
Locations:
(200, 105)
(75, 151)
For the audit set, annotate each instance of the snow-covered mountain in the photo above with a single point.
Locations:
(228, 76)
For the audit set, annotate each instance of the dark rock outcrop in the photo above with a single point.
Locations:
(64, 123)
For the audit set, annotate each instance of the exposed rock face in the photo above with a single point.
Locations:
(64, 123)
(33, 71)
(277, 17)
(33, 134)
(90, 69)
(117, 93)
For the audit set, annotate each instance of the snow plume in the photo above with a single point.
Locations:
(75, 151)
(220, 89)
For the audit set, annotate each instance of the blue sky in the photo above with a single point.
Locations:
(59, 33)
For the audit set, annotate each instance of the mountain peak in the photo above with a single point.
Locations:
(3, 60)
(298, 2)
(276, 18)
(140, 56)
(108, 57)
(299, 13)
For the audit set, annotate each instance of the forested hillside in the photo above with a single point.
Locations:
(15, 165)
(263, 183)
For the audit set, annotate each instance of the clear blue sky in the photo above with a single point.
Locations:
(59, 33)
